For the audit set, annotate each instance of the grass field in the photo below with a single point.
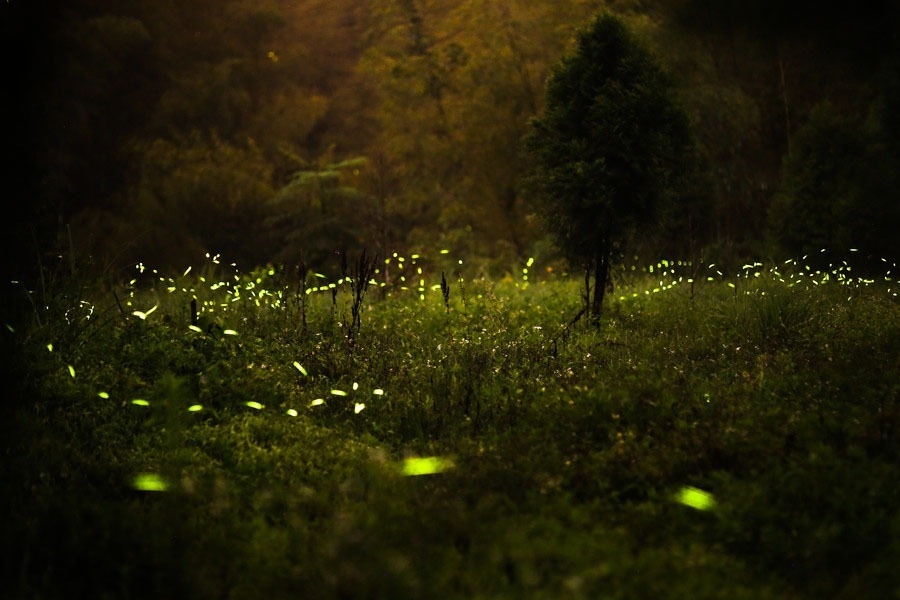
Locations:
(719, 436)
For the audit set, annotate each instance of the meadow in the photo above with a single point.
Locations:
(407, 428)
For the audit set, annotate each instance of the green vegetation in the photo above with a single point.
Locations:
(445, 436)
(611, 145)
(259, 129)
(423, 426)
(837, 186)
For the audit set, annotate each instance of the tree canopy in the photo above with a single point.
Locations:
(127, 114)
(611, 146)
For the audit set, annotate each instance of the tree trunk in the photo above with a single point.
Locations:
(601, 275)
(786, 104)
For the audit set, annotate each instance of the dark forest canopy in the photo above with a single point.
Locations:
(157, 131)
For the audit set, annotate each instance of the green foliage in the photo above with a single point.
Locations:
(319, 211)
(838, 189)
(611, 146)
(436, 95)
(718, 436)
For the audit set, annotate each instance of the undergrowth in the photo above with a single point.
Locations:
(425, 434)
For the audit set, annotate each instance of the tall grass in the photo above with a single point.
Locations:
(446, 435)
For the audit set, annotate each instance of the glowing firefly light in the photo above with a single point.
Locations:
(426, 465)
(695, 498)
(149, 482)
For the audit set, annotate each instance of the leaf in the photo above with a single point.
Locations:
(359, 161)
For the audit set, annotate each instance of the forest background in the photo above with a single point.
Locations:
(267, 131)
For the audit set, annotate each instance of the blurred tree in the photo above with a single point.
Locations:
(508, 49)
(753, 71)
(311, 103)
(609, 148)
(88, 78)
(320, 211)
(409, 77)
(839, 189)
(216, 81)
(436, 93)
(196, 195)
(216, 63)
(454, 84)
